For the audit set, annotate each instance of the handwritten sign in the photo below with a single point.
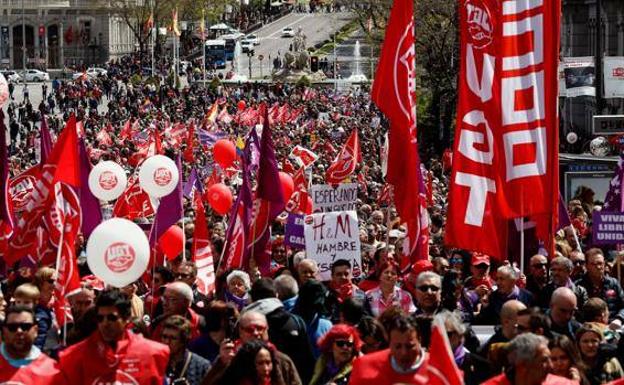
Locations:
(325, 198)
(608, 227)
(332, 236)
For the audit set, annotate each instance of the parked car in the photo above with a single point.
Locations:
(33, 75)
(288, 32)
(93, 72)
(11, 76)
(247, 46)
(252, 39)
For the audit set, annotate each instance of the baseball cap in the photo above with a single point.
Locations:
(478, 258)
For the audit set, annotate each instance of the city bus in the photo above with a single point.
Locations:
(215, 54)
(230, 44)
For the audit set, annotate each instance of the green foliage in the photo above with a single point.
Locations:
(303, 81)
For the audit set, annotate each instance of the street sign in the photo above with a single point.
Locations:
(260, 57)
(608, 124)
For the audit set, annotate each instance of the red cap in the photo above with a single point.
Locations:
(422, 265)
(478, 258)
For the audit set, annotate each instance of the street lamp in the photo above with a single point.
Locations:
(249, 55)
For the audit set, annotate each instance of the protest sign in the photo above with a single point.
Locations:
(332, 236)
(325, 198)
(608, 227)
(294, 232)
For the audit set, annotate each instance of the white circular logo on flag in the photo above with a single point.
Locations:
(480, 26)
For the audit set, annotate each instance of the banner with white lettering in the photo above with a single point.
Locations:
(505, 159)
(293, 234)
(332, 236)
(614, 76)
(607, 228)
(326, 198)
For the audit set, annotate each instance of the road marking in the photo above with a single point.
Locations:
(288, 25)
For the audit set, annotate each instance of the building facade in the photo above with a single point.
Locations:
(579, 39)
(60, 33)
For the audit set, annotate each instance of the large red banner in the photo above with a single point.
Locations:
(505, 161)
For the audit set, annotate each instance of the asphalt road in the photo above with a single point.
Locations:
(316, 26)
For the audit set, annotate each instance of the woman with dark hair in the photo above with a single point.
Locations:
(454, 297)
(372, 279)
(566, 359)
(220, 324)
(311, 306)
(339, 347)
(254, 364)
(388, 293)
(373, 335)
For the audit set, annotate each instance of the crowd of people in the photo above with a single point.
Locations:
(560, 320)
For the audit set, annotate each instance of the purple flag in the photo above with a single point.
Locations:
(209, 138)
(192, 184)
(170, 210)
(564, 217)
(91, 211)
(269, 199)
(613, 201)
(46, 139)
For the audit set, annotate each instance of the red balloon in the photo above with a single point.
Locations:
(171, 242)
(309, 206)
(220, 198)
(224, 153)
(288, 186)
(241, 105)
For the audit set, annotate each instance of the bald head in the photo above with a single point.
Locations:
(562, 306)
(510, 309)
(253, 325)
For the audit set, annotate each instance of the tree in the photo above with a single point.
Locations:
(437, 52)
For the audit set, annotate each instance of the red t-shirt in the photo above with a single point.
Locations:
(135, 361)
(375, 369)
(42, 371)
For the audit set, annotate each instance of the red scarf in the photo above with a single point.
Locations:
(343, 291)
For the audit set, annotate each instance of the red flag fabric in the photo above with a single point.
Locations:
(394, 92)
(202, 251)
(134, 202)
(190, 141)
(347, 160)
(303, 156)
(442, 369)
(126, 131)
(505, 161)
(104, 138)
(61, 166)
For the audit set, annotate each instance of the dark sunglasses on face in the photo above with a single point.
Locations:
(539, 265)
(426, 288)
(23, 326)
(51, 281)
(183, 275)
(254, 328)
(343, 343)
(578, 263)
(110, 317)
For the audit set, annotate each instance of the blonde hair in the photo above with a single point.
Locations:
(44, 274)
(27, 291)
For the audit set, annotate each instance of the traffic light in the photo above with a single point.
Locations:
(314, 63)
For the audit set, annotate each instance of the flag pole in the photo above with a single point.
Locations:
(522, 245)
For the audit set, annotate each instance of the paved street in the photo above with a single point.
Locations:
(316, 26)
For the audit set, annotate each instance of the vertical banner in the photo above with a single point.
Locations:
(505, 159)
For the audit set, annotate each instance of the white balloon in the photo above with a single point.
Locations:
(118, 252)
(107, 180)
(158, 176)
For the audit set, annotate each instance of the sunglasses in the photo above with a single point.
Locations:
(539, 265)
(254, 328)
(51, 281)
(183, 275)
(23, 326)
(109, 317)
(343, 343)
(578, 263)
(425, 288)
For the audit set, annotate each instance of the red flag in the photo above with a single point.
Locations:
(126, 131)
(202, 251)
(347, 160)
(505, 163)
(394, 92)
(442, 369)
(134, 202)
(61, 166)
(190, 141)
(104, 138)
